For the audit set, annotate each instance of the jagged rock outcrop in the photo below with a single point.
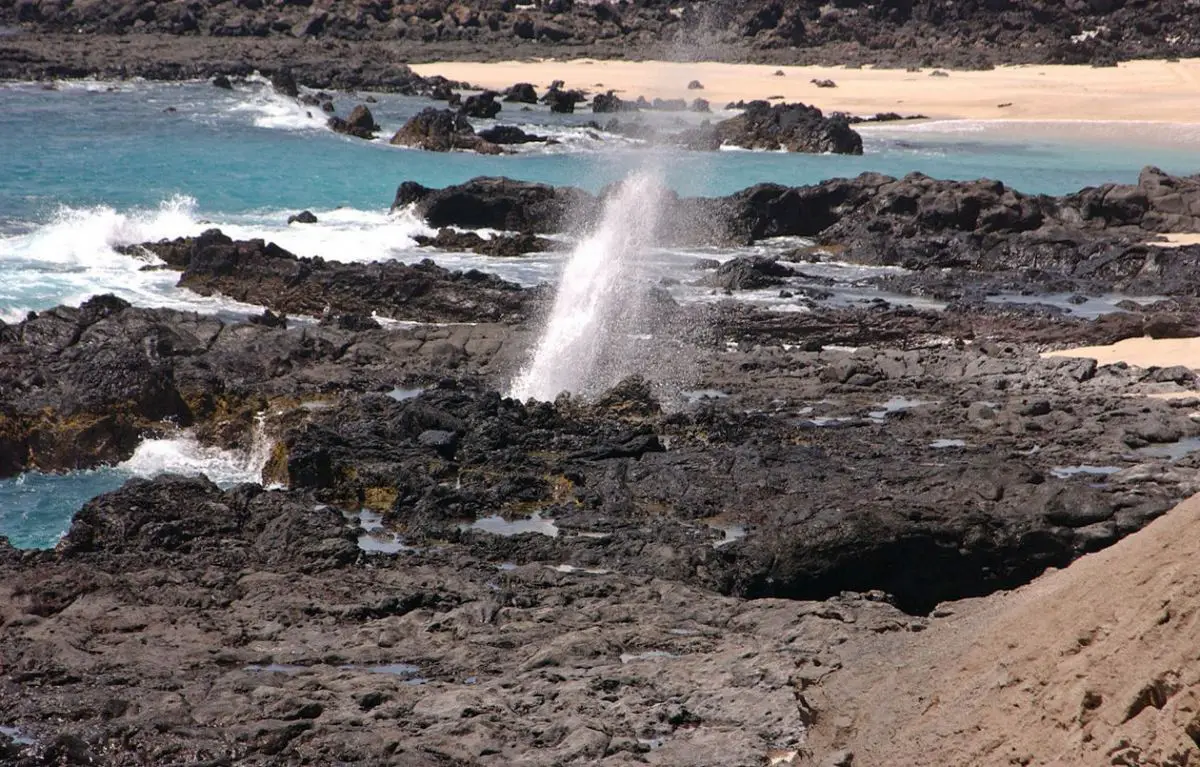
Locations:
(263, 273)
(360, 123)
(497, 203)
(793, 127)
(481, 105)
(1094, 237)
(441, 130)
(511, 134)
(501, 245)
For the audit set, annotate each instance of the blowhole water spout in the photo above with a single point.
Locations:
(582, 347)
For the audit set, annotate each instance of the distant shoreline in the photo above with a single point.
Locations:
(1136, 90)
(1159, 91)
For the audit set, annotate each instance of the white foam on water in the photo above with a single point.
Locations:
(341, 234)
(184, 454)
(73, 257)
(85, 237)
(593, 293)
(270, 109)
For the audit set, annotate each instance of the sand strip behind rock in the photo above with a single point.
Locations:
(1142, 352)
(1134, 91)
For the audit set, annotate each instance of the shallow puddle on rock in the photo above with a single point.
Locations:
(574, 569)
(896, 405)
(375, 540)
(942, 444)
(406, 671)
(1065, 472)
(822, 421)
(1172, 451)
(732, 532)
(400, 394)
(498, 525)
(699, 395)
(648, 655)
(18, 736)
(1090, 307)
(387, 543)
(275, 668)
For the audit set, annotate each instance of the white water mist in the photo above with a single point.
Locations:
(595, 295)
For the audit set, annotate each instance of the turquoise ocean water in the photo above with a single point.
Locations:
(91, 165)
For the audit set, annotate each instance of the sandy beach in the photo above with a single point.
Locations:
(1139, 91)
(1142, 352)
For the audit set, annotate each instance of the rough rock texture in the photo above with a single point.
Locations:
(794, 127)
(650, 630)
(261, 273)
(481, 105)
(81, 387)
(1093, 239)
(441, 130)
(497, 203)
(591, 645)
(510, 134)
(502, 245)
(360, 123)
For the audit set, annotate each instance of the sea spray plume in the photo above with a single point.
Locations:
(595, 294)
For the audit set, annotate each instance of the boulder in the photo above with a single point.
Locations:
(498, 203)
(441, 130)
(794, 127)
(521, 93)
(610, 102)
(303, 217)
(511, 134)
(361, 123)
(482, 105)
(749, 273)
(560, 100)
(283, 81)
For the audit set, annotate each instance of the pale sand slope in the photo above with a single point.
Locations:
(1060, 672)
(1134, 91)
(1142, 352)
(1177, 239)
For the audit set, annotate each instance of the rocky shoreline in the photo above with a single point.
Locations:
(165, 41)
(675, 572)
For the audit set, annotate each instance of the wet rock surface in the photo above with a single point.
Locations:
(698, 573)
(679, 570)
(952, 234)
(263, 273)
